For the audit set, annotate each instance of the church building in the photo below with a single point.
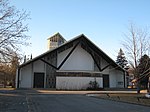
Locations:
(70, 65)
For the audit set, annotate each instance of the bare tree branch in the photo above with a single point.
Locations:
(12, 29)
(136, 44)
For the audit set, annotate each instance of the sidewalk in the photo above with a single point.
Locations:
(48, 91)
(54, 91)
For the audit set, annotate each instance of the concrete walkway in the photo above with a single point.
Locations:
(83, 92)
(53, 91)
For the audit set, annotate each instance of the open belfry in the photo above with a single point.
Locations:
(55, 41)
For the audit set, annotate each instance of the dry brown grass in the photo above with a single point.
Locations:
(126, 97)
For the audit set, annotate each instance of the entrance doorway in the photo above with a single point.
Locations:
(38, 80)
(105, 81)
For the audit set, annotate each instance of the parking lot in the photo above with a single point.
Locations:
(61, 101)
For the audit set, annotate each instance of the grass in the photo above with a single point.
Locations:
(133, 98)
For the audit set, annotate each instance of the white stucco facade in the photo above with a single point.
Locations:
(27, 73)
(38, 66)
(79, 60)
(76, 83)
(25, 79)
(116, 79)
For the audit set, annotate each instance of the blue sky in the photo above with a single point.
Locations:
(102, 21)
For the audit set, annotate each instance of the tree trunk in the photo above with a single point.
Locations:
(138, 87)
(148, 86)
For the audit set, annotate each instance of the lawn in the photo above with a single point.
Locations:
(125, 97)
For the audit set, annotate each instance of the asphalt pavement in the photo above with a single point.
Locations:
(58, 101)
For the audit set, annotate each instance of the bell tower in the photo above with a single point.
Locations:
(55, 41)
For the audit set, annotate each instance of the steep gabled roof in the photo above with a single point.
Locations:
(90, 43)
(52, 50)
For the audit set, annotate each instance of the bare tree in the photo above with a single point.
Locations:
(12, 30)
(8, 70)
(136, 44)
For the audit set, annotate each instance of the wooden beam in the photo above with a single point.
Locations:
(88, 48)
(57, 68)
(49, 64)
(95, 62)
(18, 73)
(105, 67)
(68, 55)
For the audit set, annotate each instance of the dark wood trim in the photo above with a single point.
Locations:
(96, 62)
(57, 68)
(32, 74)
(125, 79)
(78, 74)
(68, 55)
(49, 64)
(89, 50)
(18, 82)
(105, 67)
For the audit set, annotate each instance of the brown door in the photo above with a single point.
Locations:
(105, 81)
(38, 80)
